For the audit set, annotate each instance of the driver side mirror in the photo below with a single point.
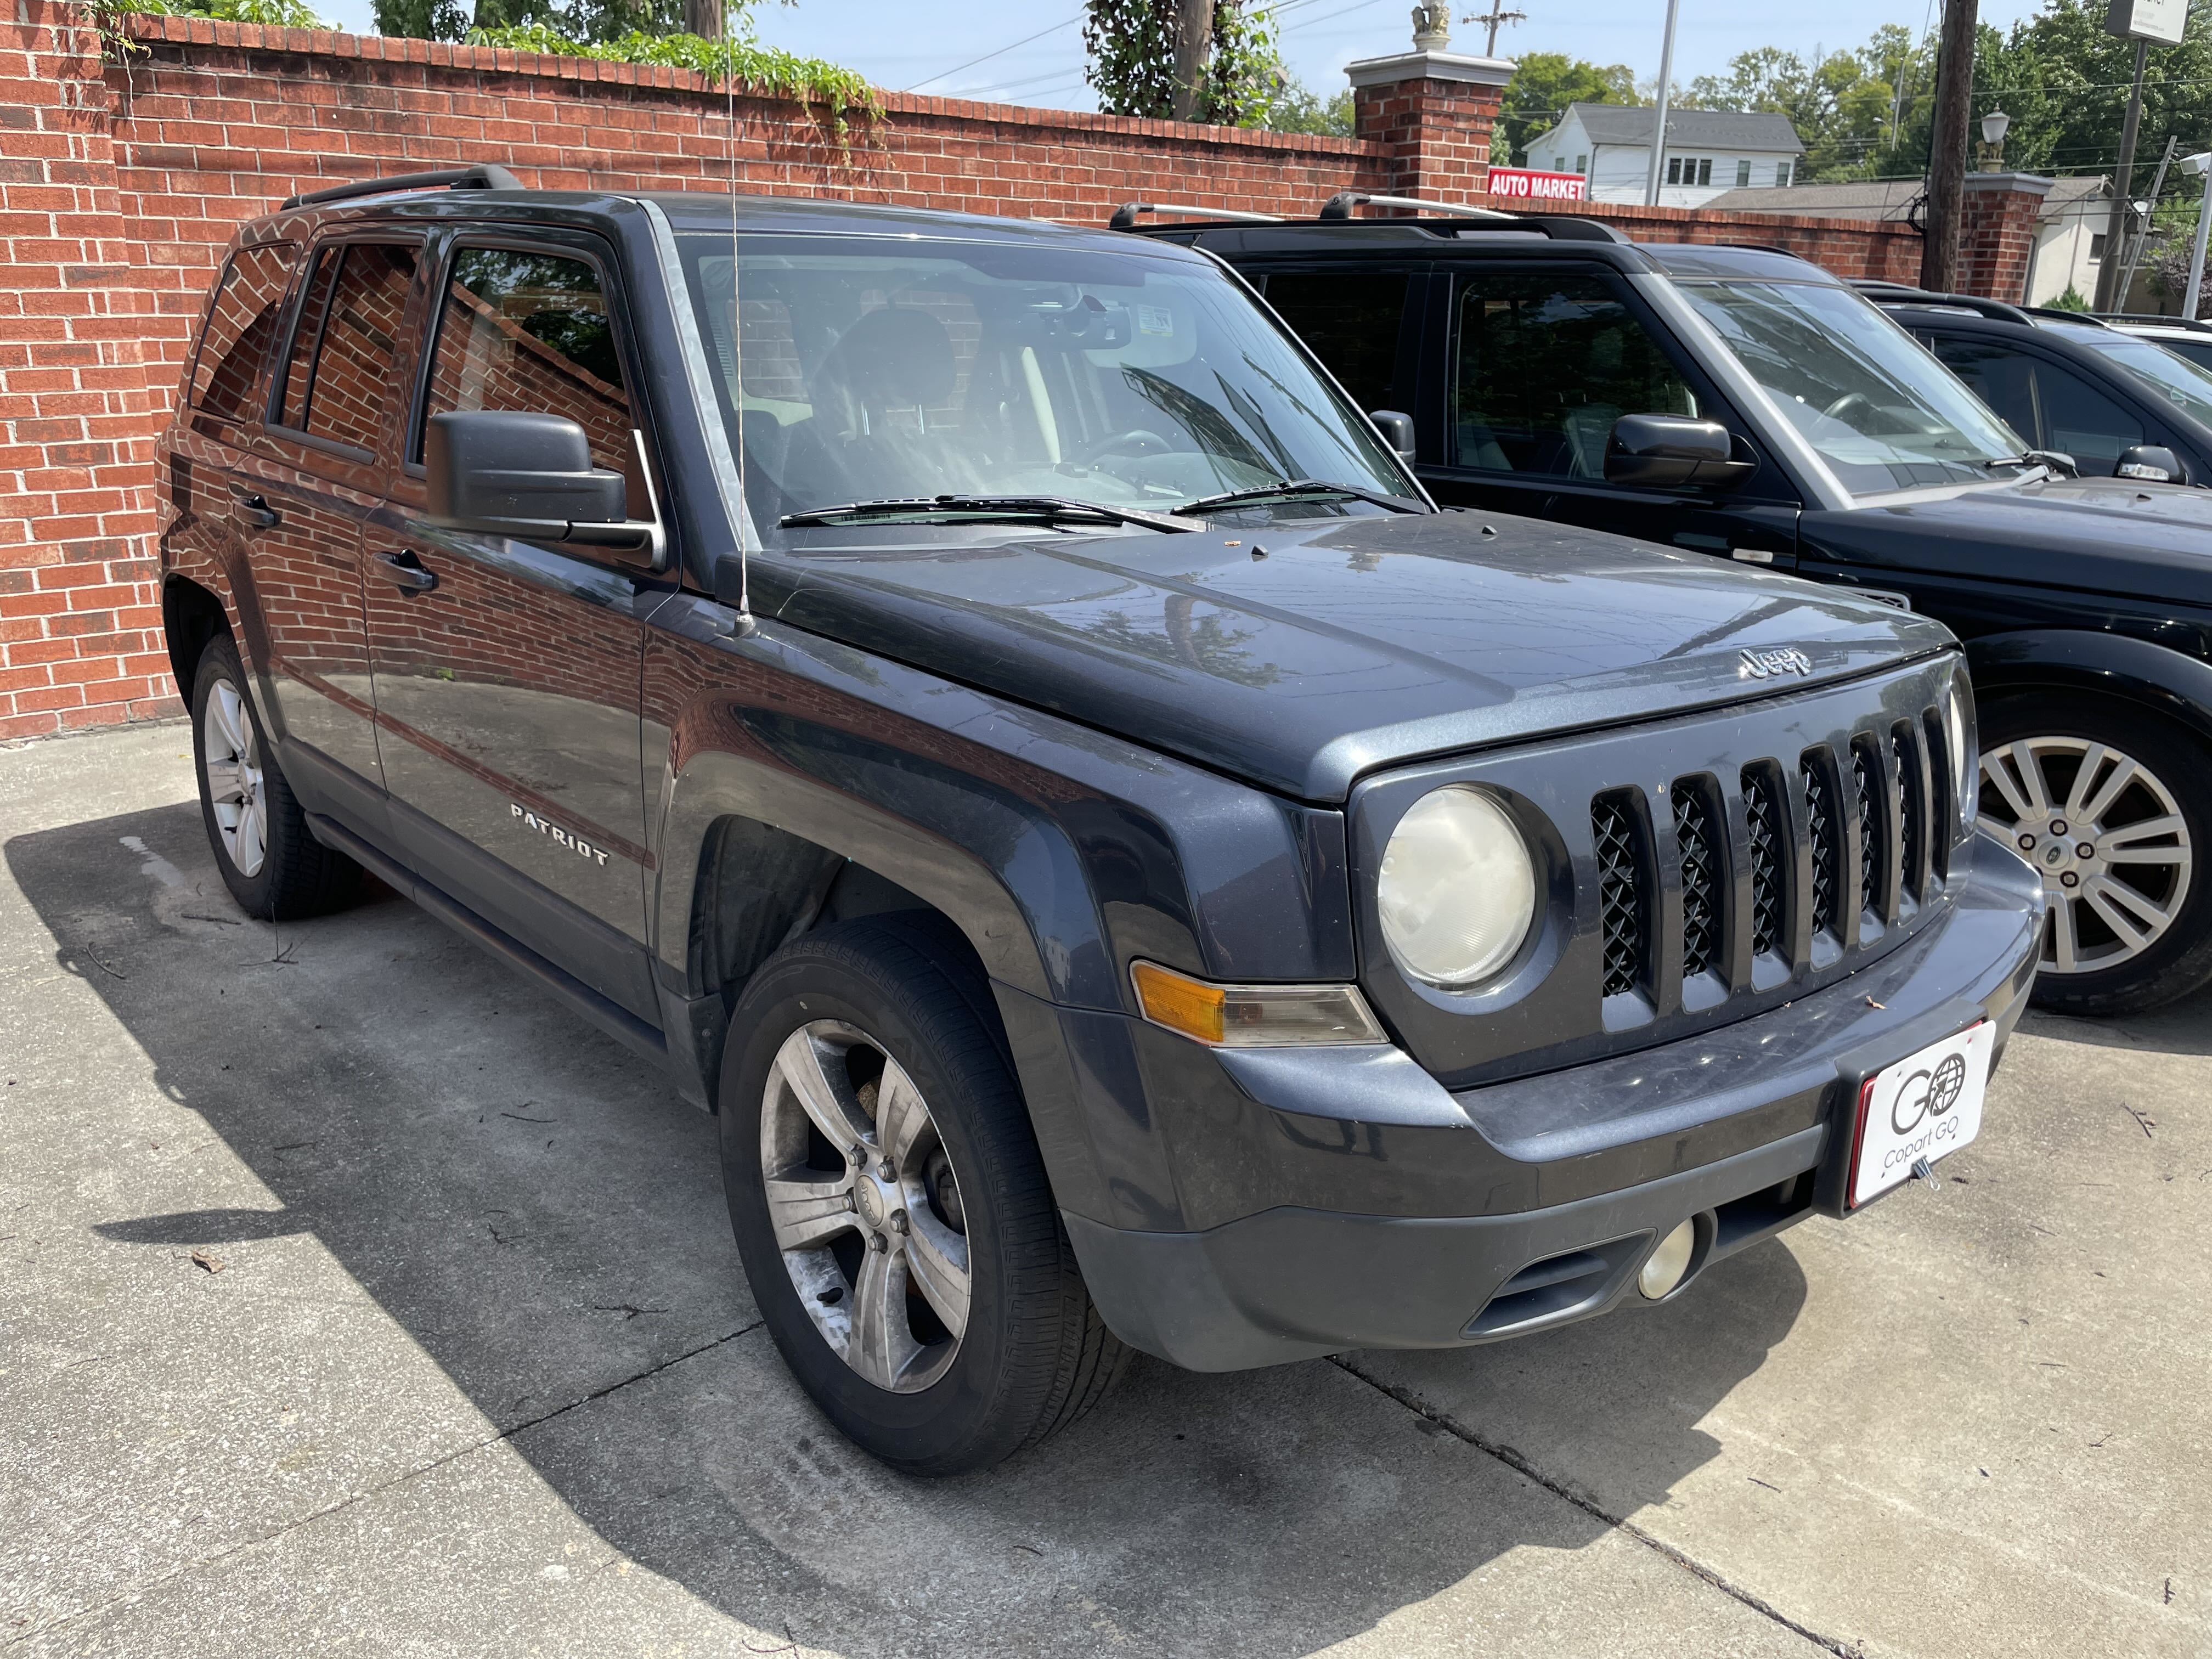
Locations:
(1673, 451)
(504, 472)
(2155, 463)
(1397, 431)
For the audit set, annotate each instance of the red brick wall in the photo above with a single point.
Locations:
(120, 185)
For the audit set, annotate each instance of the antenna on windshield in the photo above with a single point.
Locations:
(744, 514)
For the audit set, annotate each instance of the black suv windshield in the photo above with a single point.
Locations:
(1882, 412)
(876, 371)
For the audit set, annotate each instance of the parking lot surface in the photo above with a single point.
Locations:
(353, 1299)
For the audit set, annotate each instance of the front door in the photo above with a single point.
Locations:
(507, 672)
(1541, 364)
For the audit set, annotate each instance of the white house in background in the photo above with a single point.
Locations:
(1709, 152)
(2069, 228)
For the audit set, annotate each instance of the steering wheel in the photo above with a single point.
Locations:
(1850, 404)
(1135, 441)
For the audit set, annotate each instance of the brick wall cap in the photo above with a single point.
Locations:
(1429, 66)
(2028, 184)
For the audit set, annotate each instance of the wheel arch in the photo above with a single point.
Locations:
(192, 615)
(2155, 676)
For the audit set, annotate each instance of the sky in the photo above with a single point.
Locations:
(900, 45)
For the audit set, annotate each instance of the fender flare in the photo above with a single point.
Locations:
(2140, 671)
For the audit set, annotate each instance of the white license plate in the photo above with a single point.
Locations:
(1926, 1106)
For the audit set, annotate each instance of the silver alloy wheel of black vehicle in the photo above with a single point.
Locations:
(2108, 837)
(878, 1252)
(231, 754)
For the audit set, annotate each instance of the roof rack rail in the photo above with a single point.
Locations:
(1883, 292)
(2193, 324)
(485, 175)
(1339, 206)
(1125, 217)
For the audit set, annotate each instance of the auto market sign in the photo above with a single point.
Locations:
(1527, 184)
(2156, 20)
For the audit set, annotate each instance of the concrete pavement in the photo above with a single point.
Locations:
(354, 1300)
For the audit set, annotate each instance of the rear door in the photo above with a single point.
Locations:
(1539, 361)
(507, 672)
(314, 481)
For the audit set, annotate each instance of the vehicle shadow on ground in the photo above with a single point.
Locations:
(536, 1210)
(2179, 1028)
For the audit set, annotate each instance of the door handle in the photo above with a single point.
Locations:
(406, 573)
(253, 509)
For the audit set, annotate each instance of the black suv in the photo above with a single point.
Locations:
(1745, 404)
(973, 700)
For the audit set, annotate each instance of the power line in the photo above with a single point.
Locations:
(1000, 52)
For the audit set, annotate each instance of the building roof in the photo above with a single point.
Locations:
(1881, 199)
(1700, 128)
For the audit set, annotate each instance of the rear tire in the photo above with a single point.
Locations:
(921, 1287)
(2131, 924)
(274, 867)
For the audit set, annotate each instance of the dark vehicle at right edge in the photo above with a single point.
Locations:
(1745, 404)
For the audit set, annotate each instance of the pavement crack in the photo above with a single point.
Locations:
(138, 1591)
(1520, 1464)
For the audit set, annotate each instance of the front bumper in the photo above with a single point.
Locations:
(1525, 1205)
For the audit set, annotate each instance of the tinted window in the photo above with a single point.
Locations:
(339, 373)
(2080, 421)
(2198, 352)
(240, 324)
(1544, 366)
(1352, 323)
(2000, 377)
(531, 331)
(306, 335)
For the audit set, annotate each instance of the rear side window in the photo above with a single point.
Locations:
(2082, 421)
(1544, 365)
(1352, 322)
(531, 331)
(339, 374)
(240, 323)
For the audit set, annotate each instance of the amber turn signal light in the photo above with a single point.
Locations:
(1253, 1015)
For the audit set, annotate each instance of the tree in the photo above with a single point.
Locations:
(1132, 44)
(1297, 107)
(1542, 86)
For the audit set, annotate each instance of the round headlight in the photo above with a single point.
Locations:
(1458, 889)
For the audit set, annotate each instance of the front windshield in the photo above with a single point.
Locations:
(1882, 412)
(883, 369)
(2183, 383)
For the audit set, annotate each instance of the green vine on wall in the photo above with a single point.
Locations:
(1133, 60)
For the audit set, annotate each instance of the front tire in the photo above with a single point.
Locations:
(2114, 806)
(274, 867)
(891, 1207)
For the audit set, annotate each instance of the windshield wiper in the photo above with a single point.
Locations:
(1294, 490)
(1048, 508)
(2049, 460)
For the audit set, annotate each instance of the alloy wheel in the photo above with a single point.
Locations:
(232, 756)
(865, 1206)
(2107, 837)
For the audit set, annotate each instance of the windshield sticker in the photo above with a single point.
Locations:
(1157, 319)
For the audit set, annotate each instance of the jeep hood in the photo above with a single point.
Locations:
(1302, 655)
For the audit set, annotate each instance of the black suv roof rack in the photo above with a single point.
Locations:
(1560, 228)
(485, 175)
(1125, 217)
(2193, 324)
(1900, 293)
(1339, 206)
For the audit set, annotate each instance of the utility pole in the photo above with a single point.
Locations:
(2124, 179)
(703, 18)
(2142, 236)
(1946, 149)
(1194, 45)
(1496, 16)
(1659, 115)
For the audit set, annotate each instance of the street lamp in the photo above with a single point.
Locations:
(1995, 125)
(2201, 164)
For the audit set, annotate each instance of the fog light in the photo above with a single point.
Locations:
(1666, 1264)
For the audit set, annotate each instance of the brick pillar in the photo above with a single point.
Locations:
(80, 616)
(1996, 233)
(1435, 111)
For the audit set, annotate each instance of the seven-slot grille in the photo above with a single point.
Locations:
(1867, 829)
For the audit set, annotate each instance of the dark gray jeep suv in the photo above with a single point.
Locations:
(977, 702)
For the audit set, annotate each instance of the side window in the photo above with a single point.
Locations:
(2083, 422)
(1542, 368)
(1352, 322)
(338, 377)
(2000, 377)
(240, 323)
(531, 331)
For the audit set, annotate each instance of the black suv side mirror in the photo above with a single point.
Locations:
(1397, 431)
(1673, 451)
(504, 472)
(2154, 462)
